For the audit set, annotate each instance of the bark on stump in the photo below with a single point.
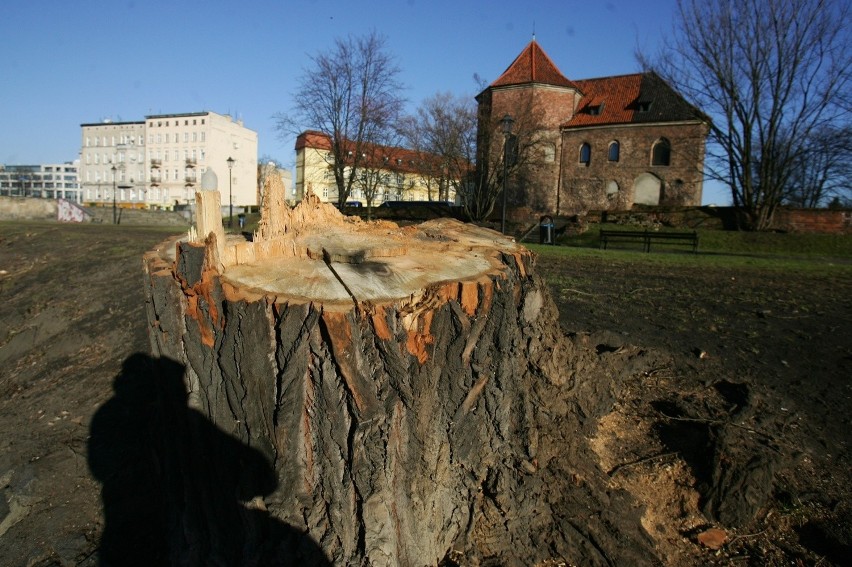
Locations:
(395, 379)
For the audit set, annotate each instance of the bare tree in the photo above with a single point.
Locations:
(443, 134)
(352, 95)
(377, 164)
(500, 158)
(823, 171)
(770, 73)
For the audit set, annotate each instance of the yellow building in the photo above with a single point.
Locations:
(384, 173)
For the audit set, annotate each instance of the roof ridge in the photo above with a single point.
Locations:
(621, 76)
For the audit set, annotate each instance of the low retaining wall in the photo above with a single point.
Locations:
(26, 208)
(827, 221)
(830, 221)
(29, 208)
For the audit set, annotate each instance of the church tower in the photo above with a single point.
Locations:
(539, 98)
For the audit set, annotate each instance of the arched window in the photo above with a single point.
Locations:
(585, 153)
(661, 153)
(613, 151)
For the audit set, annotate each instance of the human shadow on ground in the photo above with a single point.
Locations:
(177, 490)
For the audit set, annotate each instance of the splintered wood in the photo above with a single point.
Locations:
(314, 253)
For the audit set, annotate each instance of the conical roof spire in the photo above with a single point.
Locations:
(532, 66)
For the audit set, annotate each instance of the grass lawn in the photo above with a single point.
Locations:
(769, 250)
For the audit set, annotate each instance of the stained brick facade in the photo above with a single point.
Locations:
(555, 117)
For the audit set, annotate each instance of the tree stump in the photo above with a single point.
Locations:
(395, 379)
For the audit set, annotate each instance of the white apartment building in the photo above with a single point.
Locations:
(46, 181)
(158, 162)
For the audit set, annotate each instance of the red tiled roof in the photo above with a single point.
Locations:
(532, 66)
(313, 139)
(625, 99)
(619, 100)
(615, 97)
(376, 156)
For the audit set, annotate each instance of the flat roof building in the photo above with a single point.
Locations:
(46, 181)
(158, 162)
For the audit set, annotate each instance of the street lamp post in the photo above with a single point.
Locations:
(114, 213)
(230, 192)
(506, 125)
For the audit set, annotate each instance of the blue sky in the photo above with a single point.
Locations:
(71, 62)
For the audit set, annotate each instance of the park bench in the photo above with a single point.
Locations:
(646, 237)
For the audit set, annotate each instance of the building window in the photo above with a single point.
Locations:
(643, 106)
(613, 151)
(203, 136)
(661, 152)
(595, 110)
(585, 154)
(549, 151)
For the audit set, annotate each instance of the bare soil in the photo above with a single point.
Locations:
(747, 369)
(760, 358)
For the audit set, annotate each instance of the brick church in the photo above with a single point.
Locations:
(595, 144)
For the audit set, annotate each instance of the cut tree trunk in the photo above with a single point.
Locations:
(404, 396)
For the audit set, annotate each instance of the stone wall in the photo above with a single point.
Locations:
(139, 216)
(611, 185)
(814, 221)
(830, 221)
(28, 208)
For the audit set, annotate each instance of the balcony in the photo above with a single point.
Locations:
(156, 163)
(190, 180)
(191, 162)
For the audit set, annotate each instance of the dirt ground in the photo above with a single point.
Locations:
(711, 368)
(759, 358)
